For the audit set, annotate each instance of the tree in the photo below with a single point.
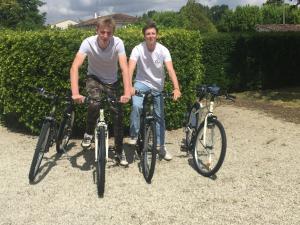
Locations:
(9, 13)
(169, 19)
(216, 12)
(274, 2)
(23, 14)
(196, 16)
(242, 19)
(271, 14)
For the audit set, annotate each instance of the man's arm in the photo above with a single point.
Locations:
(131, 68)
(173, 77)
(74, 77)
(127, 86)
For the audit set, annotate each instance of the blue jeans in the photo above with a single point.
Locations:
(137, 106)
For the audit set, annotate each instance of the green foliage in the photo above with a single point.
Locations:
(272, 14)
(217, 53)
(195, 14)
(43, 59)
(293, 15)
(9, 13)
(170, 19)
(216, 12)
(242, 19)
(21, 14)
(252, 61)
(192, 16)
(274, 2)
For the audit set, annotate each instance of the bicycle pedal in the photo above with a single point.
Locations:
(137, 157)
(183, 148)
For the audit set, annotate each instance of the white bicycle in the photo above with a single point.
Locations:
(205, 134)
(101, 142)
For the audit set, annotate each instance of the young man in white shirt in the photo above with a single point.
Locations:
(150, 58)
(104, 51)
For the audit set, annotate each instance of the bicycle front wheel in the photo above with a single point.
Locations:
(64, 132)
(101, 161)
(149, 151)
(209, 148)
(41, 147)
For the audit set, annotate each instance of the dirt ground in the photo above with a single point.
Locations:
(290, 114)
(259, 182)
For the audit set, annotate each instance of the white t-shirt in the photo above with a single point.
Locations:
(103, 62)
(150, 65)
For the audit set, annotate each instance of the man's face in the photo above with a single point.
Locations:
(105, 33)
(150, 36)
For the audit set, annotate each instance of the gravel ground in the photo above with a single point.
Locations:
(259, 182)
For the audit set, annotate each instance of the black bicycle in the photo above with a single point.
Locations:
(205, 135)
(51, 131)
(147, 142)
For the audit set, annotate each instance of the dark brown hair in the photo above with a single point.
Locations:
(150, 24)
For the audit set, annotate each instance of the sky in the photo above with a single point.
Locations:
(59, 10)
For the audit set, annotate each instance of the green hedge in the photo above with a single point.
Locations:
(233, 61)
(252, 61)
(43, 59)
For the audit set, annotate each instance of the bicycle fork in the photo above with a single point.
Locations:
(209, 148)
(101, 123)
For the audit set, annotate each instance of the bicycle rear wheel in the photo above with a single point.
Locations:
(41, 147)
(209, 148)
(149, 151)
(101, 161)
(64, 132)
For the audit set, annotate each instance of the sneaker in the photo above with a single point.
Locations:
(87, 141)
(122, 159)
(132, 141)
(164, 153)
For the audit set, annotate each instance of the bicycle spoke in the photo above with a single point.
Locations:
(209, 157)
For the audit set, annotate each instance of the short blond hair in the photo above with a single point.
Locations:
(106, 22)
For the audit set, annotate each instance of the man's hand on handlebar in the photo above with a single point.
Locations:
(176, 94)
(78, 98)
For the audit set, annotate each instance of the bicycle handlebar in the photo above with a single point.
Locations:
(109, 99)
(147, 93)
(42, 91)
(214, 90)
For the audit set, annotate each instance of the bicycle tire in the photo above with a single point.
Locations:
(101, 161)
(216, 141)
(192, 124)
(41, 147)
(64, 132)
(149, 151)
